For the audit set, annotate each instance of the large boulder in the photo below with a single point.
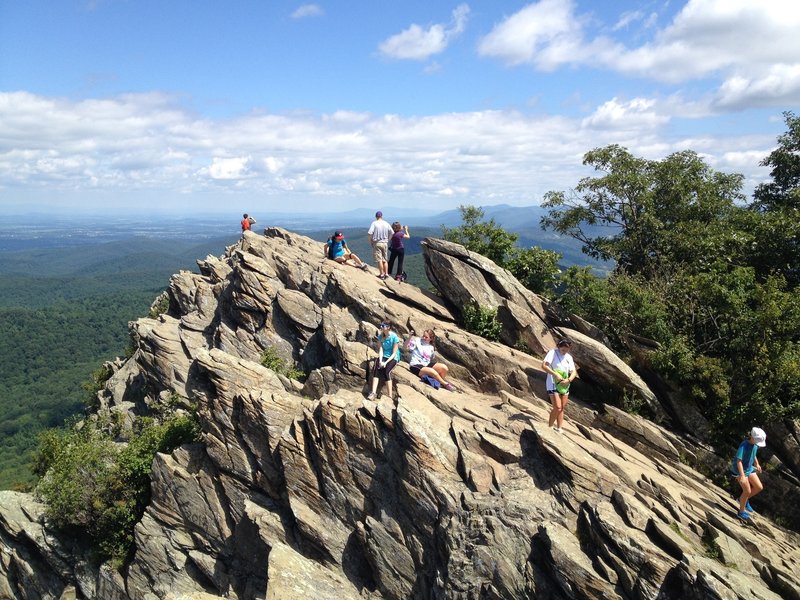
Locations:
(311, 490)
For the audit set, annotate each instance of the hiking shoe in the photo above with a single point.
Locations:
(449, 387)
(371, 396)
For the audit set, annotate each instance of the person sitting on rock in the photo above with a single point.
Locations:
(388, 357)
(422, 351)
(336, 249)
(745, 467)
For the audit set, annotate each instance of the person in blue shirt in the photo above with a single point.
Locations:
(336, 249)
(388, 357)
(745, 468)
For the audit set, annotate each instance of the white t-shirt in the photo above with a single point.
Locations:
(380, 231)
(557, 360)
(421, 353)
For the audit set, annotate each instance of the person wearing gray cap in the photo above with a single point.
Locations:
(745, 467)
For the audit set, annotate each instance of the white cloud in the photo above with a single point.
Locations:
(779, 85)
(546, 34)
(308, 10)
(638, 114)
(145, 144)
(627, 18)
(416, 43)
(229, 168)
(734, 41)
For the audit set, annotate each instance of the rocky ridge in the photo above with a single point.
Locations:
(308, 490)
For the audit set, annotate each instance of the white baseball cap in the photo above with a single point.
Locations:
(759, 437)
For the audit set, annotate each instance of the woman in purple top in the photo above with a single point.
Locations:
(397, 249)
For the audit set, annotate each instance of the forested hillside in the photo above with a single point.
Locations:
(63, 311)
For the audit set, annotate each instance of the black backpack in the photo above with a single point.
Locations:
(329, 248)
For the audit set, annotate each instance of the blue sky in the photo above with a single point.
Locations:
(258, 106)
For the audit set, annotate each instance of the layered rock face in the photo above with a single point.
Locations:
(310, 491)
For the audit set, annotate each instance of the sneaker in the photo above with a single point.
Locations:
(364, 267)
(371, 396)
(397, 278)
(557, 429)
(449, 387)
(744, 516)
(748, 508)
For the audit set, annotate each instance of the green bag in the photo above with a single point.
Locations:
(561, 388)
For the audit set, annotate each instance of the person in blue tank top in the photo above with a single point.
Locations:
(388, 357)
(745, 467)
(336, 249)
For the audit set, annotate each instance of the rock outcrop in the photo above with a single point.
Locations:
(309, 490)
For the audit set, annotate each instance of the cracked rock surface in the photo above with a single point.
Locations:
(311, 491)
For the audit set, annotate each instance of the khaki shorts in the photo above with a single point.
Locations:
(380, 251)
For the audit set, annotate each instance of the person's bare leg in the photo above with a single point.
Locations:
(750, 487)
(745, 484)
(554, 401)
(431, 372)
(564, 400)
(442, 369)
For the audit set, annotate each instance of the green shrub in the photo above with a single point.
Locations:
(631, 402)
(101, 488)
(97, 380)
(160, 306)
(482, 321)
(271, 360)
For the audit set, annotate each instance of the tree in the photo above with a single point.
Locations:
(486, 238)
(783, 192)
(775, 217)
(652, 216)
(535, 268)
(707, 278)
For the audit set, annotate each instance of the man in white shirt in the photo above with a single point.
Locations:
(379, 233)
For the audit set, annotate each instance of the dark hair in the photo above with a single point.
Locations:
(245, 215)
(396, 226)
(564, 342)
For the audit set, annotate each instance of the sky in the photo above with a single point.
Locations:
(272, 106)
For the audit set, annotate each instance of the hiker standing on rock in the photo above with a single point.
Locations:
(745, 467)
(379, 233)
(560, 372)
(397, 250)
(247, 222)
(388, 357)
